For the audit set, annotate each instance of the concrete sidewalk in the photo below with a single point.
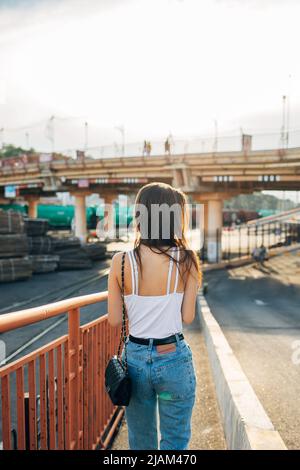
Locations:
(207, 431)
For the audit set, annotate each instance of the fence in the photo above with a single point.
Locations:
(240, 240)
(272, 140)
(54, 397)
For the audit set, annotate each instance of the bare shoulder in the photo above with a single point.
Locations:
(116, 260)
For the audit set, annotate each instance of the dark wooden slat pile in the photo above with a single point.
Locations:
(40, 245)
(11, 222)
(15, 245)
(96, 251)
(66, 243)
(14, 248)
(36, 227)
(72, 255)
(43, 263)
(25, 248)
(15, 269)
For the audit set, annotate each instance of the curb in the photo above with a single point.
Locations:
(245, 422)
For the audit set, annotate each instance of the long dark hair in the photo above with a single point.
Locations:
(157, 195)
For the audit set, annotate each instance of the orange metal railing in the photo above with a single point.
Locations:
(54, 397)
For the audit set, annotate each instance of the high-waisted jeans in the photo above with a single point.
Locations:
(165, 381)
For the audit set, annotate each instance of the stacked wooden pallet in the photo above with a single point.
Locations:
(15, 269)
(96, 251)
(25, 248)
(13, 245)
(44, 263)
(41, 246)
(36, 227)
(14, 248)
(72, 255)
(11, 222)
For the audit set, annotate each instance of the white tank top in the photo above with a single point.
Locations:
(154, 316)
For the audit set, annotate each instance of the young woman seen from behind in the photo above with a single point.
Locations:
(162, 277)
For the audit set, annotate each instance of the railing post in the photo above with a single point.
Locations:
(74, 374)
(248, 240)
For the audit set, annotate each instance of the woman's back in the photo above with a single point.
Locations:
(152, 298)
(153, 285)
(155, 269)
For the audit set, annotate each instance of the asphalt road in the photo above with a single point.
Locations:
(259, 312)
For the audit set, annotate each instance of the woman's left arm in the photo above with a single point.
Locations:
(114, 292)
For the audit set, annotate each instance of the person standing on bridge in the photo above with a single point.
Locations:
(145, 148)
(161, 280)
(167, 147)
(149, 148)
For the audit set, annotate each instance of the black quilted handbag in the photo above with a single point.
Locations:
(117, 381)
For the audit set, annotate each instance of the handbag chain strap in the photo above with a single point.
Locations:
(123, 335)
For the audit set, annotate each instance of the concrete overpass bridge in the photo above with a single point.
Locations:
(208, 178)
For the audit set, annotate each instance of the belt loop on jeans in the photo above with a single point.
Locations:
(177, 340)
(150, 344)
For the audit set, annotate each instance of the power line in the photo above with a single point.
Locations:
(40, 123)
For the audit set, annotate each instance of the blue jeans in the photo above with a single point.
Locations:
(164, 385)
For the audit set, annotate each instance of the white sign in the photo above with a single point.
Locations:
(84, 183)
(45, 157)
(10, 191)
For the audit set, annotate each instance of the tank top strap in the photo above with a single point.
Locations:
(173, 251)
(170, 273)
(177, 269)
(134, 272)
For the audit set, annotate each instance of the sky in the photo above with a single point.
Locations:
(151, 66)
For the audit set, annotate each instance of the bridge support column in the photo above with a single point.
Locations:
(109, 227)
(213, 222)
(213, 229)
(80, 217)
(178, 181)
(32, 201)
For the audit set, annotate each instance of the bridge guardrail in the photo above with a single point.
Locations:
(54, 397)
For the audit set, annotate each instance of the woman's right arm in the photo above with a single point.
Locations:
(192, 285)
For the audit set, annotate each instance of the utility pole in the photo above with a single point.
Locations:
(284, 138)
(288, 112)
(50, 132)
(27, 140)
(215, 146)
(2, 137)
(122, 130)
(86, 136)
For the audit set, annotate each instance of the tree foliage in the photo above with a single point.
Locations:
(258, 201)
(9, 151)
